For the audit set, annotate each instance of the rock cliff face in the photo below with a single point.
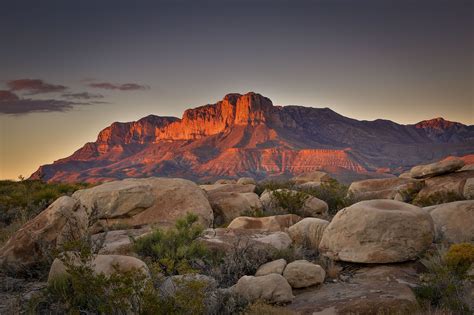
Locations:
(246, 135)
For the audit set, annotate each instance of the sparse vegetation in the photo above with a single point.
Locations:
(262, 308)
(272, 185)
(290, 201)
(334, 194)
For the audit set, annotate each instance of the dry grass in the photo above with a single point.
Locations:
(262, 308)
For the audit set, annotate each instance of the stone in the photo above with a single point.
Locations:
(271, 223)
(302, 274)
(315, 177)
(246, 181)
(384, 188)
(276, 266)
(229, 205)
(100, 264)
(374, 290)
(231, 188)
(174, 283)
(272, 288)
(468, 190)
(444, 188)
(312, 206)
(454, 221)
(64, 220)
(118, 242)
(308, 232)
(137, 202)
(225, 239)
(378, 231)
(225, 181)
(437, 168)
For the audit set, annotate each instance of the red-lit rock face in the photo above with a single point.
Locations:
(246, 135)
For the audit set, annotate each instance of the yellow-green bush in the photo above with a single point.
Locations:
(460, 257)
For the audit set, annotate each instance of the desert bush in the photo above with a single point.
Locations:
(253, 212)
(436, 199)
(176, 250)
(333, 193)
(460, 257)
(272, 185)
(290, 201)
(442, 285)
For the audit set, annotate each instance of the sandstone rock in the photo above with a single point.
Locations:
(312, 206)
(225, 239)
(308, 232)
(272, 288)
(444, 188)
(454, 221)
(437, 168)
(384, 188)
(276, 266)
(146, 201)
(378, 231)
(302, 274)
(246, 181)
(101, 264)
(225, 181)
(375, 290)
(467, 167)
(64, 220)
(234, 188)
(315, 177)
(468, 191)
(405, 175)
(229, 205)
(118, 242)
(271, 223)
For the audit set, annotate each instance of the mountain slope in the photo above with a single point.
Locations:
(246, 135)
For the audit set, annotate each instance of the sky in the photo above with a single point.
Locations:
(70, 68)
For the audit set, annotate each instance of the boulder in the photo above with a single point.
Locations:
(225, 181)
(271, 223)
(437, 168)
(308, 232)
(443, 189)
(229, 205)
(100, 264)
(174, 283)
(145, 201)
(378, 231)
(64, 220)
(468, 191)
(272, 288)
(302, 274)
(467, 167)
(311, 207)
(314, 177)
(225, 239)
(276, 266)
(375, 290)
(397, 188)
(231, 188)
(454, 221)
(246, 181)
(118, 242)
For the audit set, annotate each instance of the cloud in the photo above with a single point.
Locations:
(34, 86)
(11, 104)
(82, 96)
(120, 87)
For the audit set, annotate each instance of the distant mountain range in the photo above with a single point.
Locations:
(246, 135)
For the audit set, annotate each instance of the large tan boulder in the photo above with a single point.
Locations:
(443, 188)
(271, 223)
(118, 242)
(378, 231)
(454, 221)
(314, 177)
(100, 264)
(302, 274)
(468, 190)
(385, 188)
(308, 232)
(437, 168)
(225, 239)
(64, 220)
(229, 205)
(275, 266)
(311, 206)
(272, 288)
(136, 202)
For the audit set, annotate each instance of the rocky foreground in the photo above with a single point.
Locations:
(362, 260)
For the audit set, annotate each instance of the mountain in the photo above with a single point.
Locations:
(246, 135)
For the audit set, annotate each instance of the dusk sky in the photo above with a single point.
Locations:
(71, 68)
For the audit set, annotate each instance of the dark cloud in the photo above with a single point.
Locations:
(34, 86)
(11, 104)
(82, 96)
(121, 87)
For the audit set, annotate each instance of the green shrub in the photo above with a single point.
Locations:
(460, 257)
(290, 201)
(272, 185)
(333, 193)
(176, 250)
(442, 285)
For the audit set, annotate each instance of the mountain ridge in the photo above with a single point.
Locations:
(246, 135)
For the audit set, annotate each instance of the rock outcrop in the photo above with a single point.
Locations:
(454, 221)
(270, 224)
(302, 274)
(396, 188)
(378, 231)
(437, 168)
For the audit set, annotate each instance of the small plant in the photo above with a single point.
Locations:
(333, 193)
(253, 212)
(273, 185)
(176, 250)
(460, 257)
(290, 201)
